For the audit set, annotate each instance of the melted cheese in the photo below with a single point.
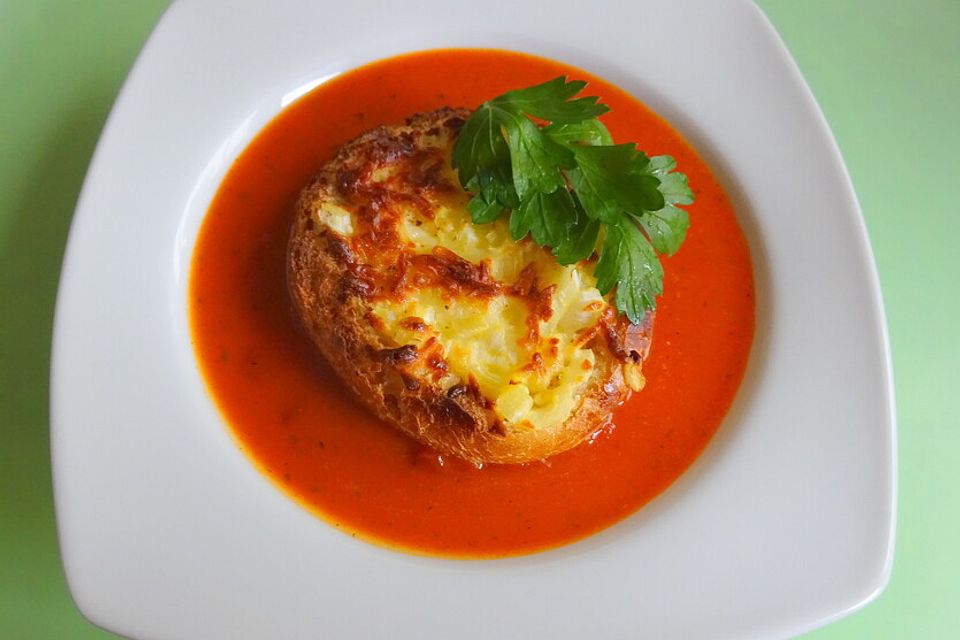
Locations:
(532, 383)
(532, 370)
(334, 216)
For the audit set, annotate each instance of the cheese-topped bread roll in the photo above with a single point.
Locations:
(475, 344)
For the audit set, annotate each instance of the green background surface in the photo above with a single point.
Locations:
(887, 75)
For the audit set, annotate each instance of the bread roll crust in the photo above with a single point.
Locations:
(346, 254)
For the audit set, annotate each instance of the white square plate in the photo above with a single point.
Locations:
(168, 531)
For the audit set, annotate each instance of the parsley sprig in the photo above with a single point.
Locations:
(566, 184)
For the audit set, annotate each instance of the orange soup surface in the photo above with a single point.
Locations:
(300, 425)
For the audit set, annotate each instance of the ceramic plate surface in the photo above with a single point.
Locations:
(168, 531)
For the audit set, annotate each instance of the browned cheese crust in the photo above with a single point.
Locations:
(334, 279)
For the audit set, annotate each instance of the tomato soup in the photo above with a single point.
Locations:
(304, 430)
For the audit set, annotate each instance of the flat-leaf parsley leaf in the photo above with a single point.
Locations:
(542, 155)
